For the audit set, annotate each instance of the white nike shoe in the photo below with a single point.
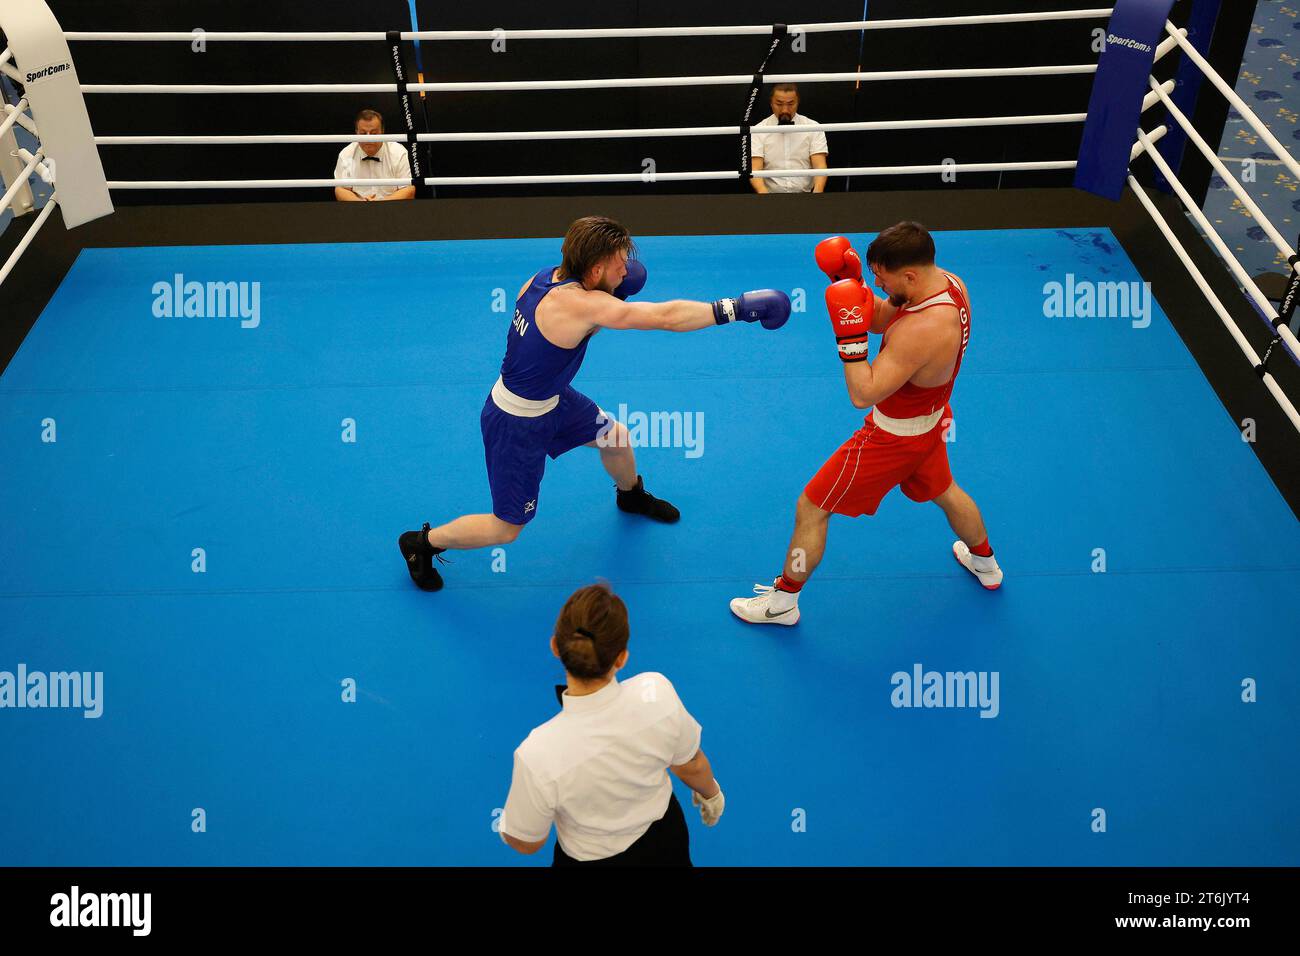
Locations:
(761, 610)
(991, 578)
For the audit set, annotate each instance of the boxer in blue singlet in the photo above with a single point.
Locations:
(533, 411)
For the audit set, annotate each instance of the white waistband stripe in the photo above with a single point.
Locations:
(906, 426)
(512, 404)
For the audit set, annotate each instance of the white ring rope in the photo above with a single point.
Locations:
(21, 179)
(14, 113)
(40, 169)
(546, 134)
(27, 238)
(468, 137)
(1216, 240)
(612, 33)
(1167, 44)
(1156, 135)
(1227, 176)
(25, 121)
(1267, 378)
(1247, 113)
(594, 177)
(602, 83)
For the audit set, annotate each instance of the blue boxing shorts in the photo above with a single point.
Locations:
(515, 448)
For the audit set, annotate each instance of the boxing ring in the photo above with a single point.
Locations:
(212, 525)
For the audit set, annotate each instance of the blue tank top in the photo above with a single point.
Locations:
(535, 368)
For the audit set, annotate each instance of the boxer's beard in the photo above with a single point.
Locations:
(898, 300)
(785, 121)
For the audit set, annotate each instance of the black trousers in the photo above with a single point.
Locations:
(666, 843)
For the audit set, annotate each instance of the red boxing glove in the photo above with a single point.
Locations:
(852, 307)
(836, 258)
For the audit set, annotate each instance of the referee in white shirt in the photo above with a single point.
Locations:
(787, 150)
(598, 769)
(372, 161)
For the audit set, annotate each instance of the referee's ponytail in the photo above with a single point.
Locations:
(591, 631)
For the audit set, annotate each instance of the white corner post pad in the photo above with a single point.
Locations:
(58, 108)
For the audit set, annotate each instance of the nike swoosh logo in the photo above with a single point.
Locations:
(769, 613)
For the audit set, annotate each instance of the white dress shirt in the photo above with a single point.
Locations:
(393, 164)
(598, 769)
(787, 151)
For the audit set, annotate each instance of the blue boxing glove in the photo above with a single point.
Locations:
(770, 307)
(633, 282)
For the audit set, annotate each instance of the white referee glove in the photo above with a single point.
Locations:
(710, 807)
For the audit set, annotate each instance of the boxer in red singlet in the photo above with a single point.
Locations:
(925, 321)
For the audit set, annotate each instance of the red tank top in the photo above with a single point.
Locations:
(914, 401)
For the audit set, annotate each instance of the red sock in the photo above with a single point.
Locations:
(785, 584)
(982, 549)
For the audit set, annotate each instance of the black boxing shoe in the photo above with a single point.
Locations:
(419, 555)
(638, 501)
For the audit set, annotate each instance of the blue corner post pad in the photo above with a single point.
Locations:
(1188, 80)
(1115, 107)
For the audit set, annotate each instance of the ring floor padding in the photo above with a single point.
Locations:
(1082, 439)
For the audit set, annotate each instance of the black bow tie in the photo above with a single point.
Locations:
(370, 159)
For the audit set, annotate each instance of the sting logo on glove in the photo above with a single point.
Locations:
(851, 307)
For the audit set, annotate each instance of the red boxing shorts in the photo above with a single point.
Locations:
(868, 466)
